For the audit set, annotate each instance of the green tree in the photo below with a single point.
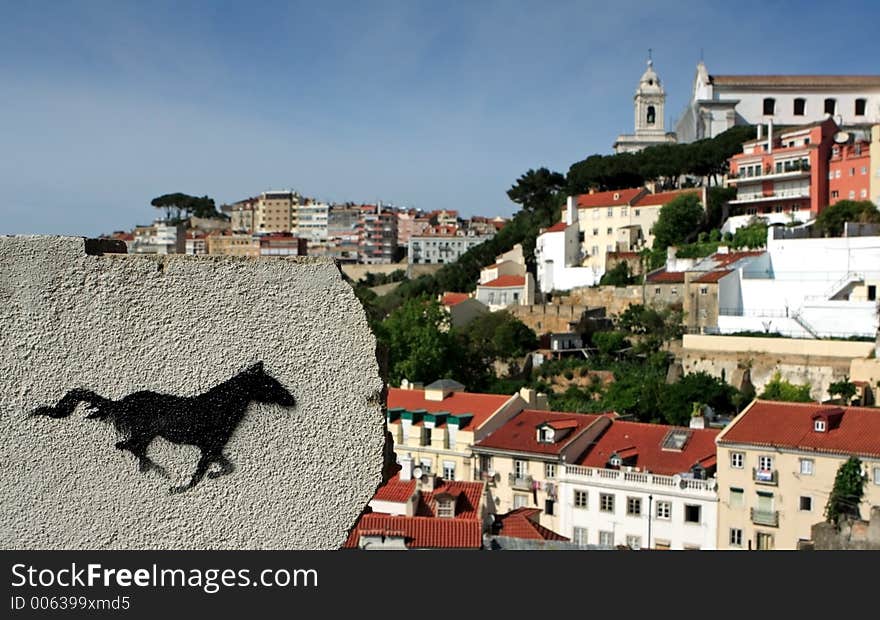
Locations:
(752, 236)
(677, 400)
(845, 389)
(177, 205)
(849, 486)
(420, 346)
(499, 336)
(619, 275)
(679, 220)
(830, 221)
(538, 191)
(779, 389)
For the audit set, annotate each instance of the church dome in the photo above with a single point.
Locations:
(650, 81)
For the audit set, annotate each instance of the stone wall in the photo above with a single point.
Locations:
(614, 299)
(545, 318)
(208, 338)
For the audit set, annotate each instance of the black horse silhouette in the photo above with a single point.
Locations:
(206, 421)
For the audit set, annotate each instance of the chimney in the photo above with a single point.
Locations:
(406, 467)
(697, 418)
(670, 253)
(569, 213)
(723, 249)
(770, 136)
(760, 131)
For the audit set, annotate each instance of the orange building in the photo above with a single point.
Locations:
(849, 170)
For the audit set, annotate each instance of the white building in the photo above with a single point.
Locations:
(312, 221)
(643, 486)
(434, 249)
(803, 287)
(558, 255)
(159, 238)
(648, 102)
(506, 282)
(718, 102)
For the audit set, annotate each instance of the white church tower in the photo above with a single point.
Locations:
(650, 100)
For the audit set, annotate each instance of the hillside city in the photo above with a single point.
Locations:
(671, 346)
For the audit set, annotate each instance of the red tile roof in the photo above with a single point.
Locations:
(607, 199)
(519, 523)
(559, 227)
(482, 406)
(467, 499)
(420, 532)
(396, 490)
(647, 441)
(790, 425)
(661, 198)
(732, 257)
(453, 299)
(666, 277)
(520, 432)
(504, 281)
(713, 276)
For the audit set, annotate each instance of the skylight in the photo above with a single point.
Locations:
(676, 439)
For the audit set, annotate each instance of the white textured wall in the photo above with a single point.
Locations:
(180, 325)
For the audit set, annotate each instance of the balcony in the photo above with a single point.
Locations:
(770, 518)
(520, 483)
(785, 194)
(787, 172)
(765, 476)
(488, 476)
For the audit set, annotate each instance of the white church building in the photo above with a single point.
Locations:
(649, 102)
(718, 102)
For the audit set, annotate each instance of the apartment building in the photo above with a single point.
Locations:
(158, 238)
(196, 242)
(410, 222)
(436, 426)
(343, 234)
(523, 458)
(648, 486)
(441, 245)
(506, 282)
(233, 244)
(776, 468)
(241, 214)
(276, 211)
(377, 226)
(849, 167)
(313, 224)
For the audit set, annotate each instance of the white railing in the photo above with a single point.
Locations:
(640, 479)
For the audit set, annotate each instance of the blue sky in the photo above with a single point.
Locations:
(105, 105)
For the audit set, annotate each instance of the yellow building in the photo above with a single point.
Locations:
(233, 245)
(276, 211)
(618, 221)
(776, 468)
(437, 426)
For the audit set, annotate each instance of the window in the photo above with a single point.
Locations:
(445, 508)
(610, 211)
(636, 212)
(674, 291)
(691, 513)
(864, 194)
(764, 541)
(736, 497)
(548, 507)
(426, 466)
(595, 231)
(864, 170)
(835, 193)
(609, 231)
(634, 542)
(579, 536)
(662, 545)
(664, 510)
(520, 468)
(769, 106)
(861, 104)
(651, 115)
(837, 174)
(806, 503)
(549, 470)
(852, 172)
(606, 502)
(877, 475)
(580, 499)
(704, 290)
(852, 194)
(736, 537)
(830, 106)
(633, 506)
(656, 290)
(606, 539)
(623, 210)
(799, 105)
(595, 250)
(520, 501)
(807, 467)
(737, 459)
(765, 463)
(448, 470)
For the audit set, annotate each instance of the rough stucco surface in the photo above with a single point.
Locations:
(180, 325)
